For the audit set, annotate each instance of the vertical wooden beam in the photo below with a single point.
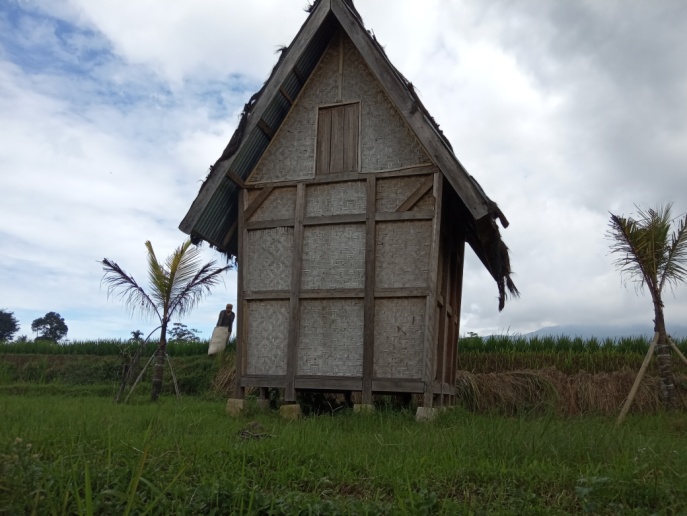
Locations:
(369, 308)
(443, 339)
(294, 315)
(442, 280)
(430, 310)
(340, 36)
(455, 321)
(242, 304)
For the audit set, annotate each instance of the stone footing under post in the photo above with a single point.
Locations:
(235, 407)
(426, 414)
(290, 412)
(363, 407)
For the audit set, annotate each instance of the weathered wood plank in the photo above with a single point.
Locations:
(412, 170)
(294, 315)
(401, 292)
(404, 215)
(430, 311)
(231, 175)
(369, 303)
(414, 117)
(414, 197)
(336, 157)
(286, 95)
(351, 137)
(257, 202)
(268, 224)
(241, 326)
(326, 220)
(299, 44)
(328, 383)
(269, 132)
(276, 382)
(262, 295)
(398, 385)
(324, 141)
(333, 293)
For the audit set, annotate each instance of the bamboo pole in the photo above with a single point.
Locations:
(139, 377)
(638, 380)
(176, 386)
(677, 350)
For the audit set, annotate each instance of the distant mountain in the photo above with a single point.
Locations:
(605, 332)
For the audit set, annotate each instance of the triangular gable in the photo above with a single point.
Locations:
(341, 78)
(213, 210)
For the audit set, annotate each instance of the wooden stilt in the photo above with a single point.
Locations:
(638, 380)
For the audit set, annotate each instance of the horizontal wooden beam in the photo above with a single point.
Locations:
(269, 224)
(414, 170)
(332, 293)
(263, 381)
(252, 295)
(334, 219)
(404, 215)
(402, 292)
(398, 385)
(329, 383)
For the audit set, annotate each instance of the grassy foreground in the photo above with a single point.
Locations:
(86, 455)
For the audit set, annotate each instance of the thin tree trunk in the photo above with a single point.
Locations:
(663, 358)
(159, 368)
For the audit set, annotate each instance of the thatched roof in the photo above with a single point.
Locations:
(213, 214)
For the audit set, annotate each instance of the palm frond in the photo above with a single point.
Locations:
(191, 292)
(675, 266)
(124, 286)
(158, 277)
(629, 240)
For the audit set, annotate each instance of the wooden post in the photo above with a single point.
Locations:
(430, 341)
(242, 305)
(294, 315)
(638, 380)
(369, 307)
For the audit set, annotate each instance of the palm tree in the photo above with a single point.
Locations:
(653, 254)
(175, 289)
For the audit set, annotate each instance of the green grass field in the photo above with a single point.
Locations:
(85, 455)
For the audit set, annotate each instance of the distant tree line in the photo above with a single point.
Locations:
(49, 327)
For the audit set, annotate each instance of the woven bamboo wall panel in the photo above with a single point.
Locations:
(386, 141)
(331, 337)
(402, 258)
(280, 204)
(291, 154)
(267, 259)
(267, 337)
(335, 199)
(399, 336)
(334, 256)
(393, 191)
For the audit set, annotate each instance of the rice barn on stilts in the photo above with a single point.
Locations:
(348, 213)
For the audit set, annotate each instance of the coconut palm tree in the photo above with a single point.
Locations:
(175, 288)
(652, 251)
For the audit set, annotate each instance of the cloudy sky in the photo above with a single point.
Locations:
(111, 113)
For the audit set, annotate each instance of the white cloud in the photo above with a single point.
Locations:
(112, 112)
